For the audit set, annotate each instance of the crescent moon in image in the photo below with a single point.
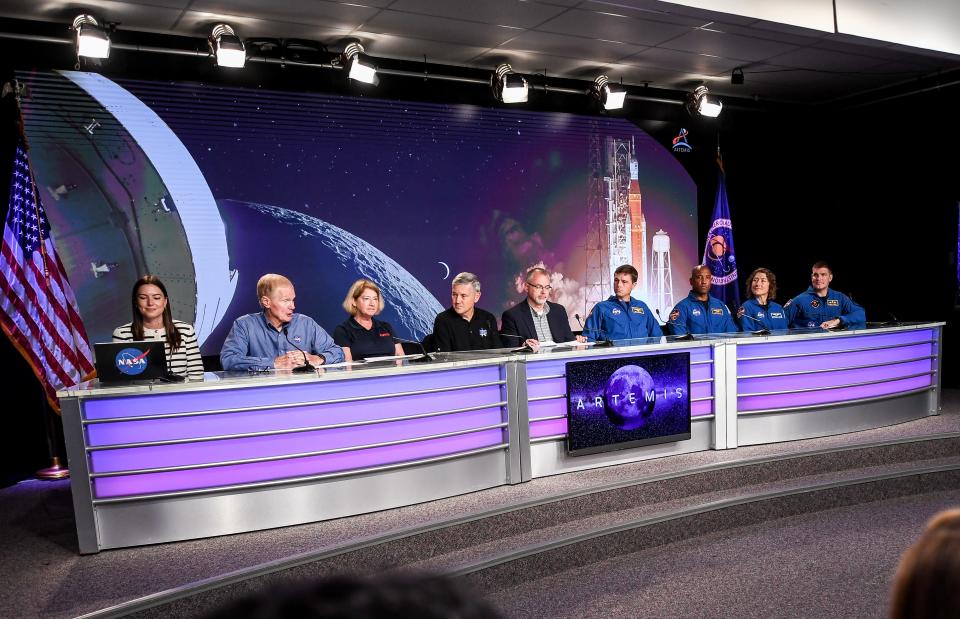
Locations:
(447, 267)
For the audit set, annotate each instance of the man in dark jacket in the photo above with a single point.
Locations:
(536, 318)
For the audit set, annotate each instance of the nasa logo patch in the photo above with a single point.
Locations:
(674, 314)
(814, 303)
(483, 333)
(614, 311)
(833, 303)
(695, 312)
(759, 314)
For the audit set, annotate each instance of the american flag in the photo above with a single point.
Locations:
(39, 311)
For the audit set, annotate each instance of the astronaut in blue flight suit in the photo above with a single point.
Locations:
(760, 311)
(621, 317)
(700, 313)
(822, 307)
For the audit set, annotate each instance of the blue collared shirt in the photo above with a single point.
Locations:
(771, 316)
(808, 310)
(691, 315)
(253, 343)
(614, 319)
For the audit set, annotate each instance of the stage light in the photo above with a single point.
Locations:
(700, 104)
(358, 64)
(227, 47)
(508, 87)
(737, 76)
(92, 41)
(611, 96)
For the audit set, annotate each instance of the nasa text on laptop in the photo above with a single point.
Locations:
(128, 362)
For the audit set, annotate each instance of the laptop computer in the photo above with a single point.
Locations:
(126, 362)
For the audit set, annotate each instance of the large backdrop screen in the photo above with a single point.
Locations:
(210, 187)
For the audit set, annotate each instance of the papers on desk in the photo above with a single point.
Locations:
(342, 364)
(570, 344)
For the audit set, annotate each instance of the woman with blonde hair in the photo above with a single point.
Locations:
(362, 335)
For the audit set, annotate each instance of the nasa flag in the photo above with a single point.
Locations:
(718, 254)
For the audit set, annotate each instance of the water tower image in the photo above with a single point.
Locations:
(661, 277)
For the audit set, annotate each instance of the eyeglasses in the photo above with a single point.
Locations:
(539, 287)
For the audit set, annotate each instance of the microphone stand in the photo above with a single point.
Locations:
(524, 348)
(763, 328)
(424, 359)
(596, 343)
(307, 366)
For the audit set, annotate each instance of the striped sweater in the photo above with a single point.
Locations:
(185, 361)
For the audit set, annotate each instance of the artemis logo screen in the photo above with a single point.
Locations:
(627, 402)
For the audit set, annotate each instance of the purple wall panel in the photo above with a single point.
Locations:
(829, 379)
(820, 344)
(831, 395)
(286, 444)
(548, 387)
(283, 419)
(149, 483)
(835, 360)
(699, 409)
(701, 390)
(157, 403)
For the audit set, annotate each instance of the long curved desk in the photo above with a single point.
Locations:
(160, 463)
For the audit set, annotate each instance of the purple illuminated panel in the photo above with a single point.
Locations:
(287, 444)
(829, 343)
(836, 360)
(699, 409)
(551, 427)
(701, 372)
(149, 483)
(277, 395)
(547, 408)
(548, 387)
(701, 390)
(831, 396)
(122, 432)
(830, 379)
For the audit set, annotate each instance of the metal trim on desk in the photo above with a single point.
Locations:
(351, 424)
(879, 398)
(309, 454)
(837, 369)
(269, 407)
(828, 387)
(833, 352)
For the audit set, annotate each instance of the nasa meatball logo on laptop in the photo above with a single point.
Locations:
(124, 362)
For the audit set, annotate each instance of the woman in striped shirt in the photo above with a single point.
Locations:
(153, 320)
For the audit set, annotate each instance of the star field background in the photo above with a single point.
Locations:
(422, 182)
(590, 430)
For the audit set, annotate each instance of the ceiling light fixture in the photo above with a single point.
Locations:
(611, 96)
(92, 41)
(227, 47)
(700, 104)
(508, 87)
(737, 76)
(358, 64)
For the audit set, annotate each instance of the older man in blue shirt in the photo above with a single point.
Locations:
(271, 338)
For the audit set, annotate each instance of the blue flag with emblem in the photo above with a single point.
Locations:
(718, 253)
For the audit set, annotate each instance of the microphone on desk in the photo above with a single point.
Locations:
(525, 348)
(424, 359)
(307, 366)
(686, 337)
(763, 330)
(596, 343)
(660, 319)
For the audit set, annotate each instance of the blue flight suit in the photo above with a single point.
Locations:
(752, 316)
(614, 319)
(691, 315)
(807, 310)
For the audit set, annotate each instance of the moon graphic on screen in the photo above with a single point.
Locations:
(629, 397)
(447, 267)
